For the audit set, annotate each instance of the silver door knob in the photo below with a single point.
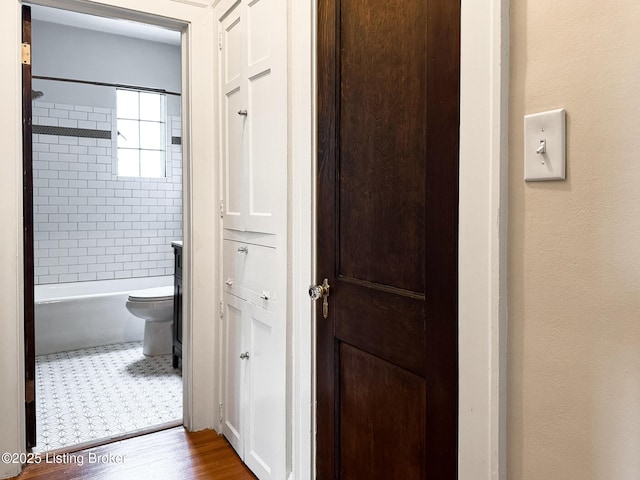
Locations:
(321, 291)
(244, 356)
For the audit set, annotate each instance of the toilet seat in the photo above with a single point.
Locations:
(157, 294)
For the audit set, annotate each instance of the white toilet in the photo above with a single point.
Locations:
(155, 305)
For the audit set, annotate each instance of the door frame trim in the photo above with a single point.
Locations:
(482, 237)
(302, 165)
(198, 181)
(198, 359)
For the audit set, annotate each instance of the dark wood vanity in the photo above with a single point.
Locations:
(177, 305)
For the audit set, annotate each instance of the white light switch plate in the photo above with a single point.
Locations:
(544, 132)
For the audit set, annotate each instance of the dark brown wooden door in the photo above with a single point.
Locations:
(388, 103)
(27, 199)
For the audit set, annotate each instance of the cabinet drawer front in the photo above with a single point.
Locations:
(249, 272)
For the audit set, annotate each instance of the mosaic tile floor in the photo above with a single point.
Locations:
(101, 392)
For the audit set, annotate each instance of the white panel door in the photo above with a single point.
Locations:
(265, 399)
(266, 140)
(254, 375)
(234, 372)
(233, 92)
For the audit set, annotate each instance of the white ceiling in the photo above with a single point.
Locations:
(106, 25)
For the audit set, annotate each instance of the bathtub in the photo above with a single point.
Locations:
(69, 316)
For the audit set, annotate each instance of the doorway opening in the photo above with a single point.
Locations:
(107, 227)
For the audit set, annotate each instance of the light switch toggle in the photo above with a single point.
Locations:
(542, 148)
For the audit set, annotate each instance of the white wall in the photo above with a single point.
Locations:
(69, 52)
(73, 53)
(574, 267)
(89, 223)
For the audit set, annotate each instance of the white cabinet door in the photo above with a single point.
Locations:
(265, 448)
(254, 386)
(266, 140)
(232, 100)
(253, 96)
(233, 371)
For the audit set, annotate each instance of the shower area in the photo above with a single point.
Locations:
(107, 200)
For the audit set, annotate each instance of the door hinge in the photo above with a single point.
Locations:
(220, 413)
(221, 310)
(220, 41)
(221, 208)
(26, 54)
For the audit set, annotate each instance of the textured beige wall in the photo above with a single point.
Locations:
(574, 246)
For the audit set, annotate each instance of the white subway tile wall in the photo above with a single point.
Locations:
(90, 224)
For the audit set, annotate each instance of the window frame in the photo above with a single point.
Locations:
(139, 120)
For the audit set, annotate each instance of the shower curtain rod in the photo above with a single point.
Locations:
(104, 84)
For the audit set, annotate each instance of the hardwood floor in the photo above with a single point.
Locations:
(173, 454)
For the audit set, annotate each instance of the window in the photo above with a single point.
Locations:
(141, 134)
